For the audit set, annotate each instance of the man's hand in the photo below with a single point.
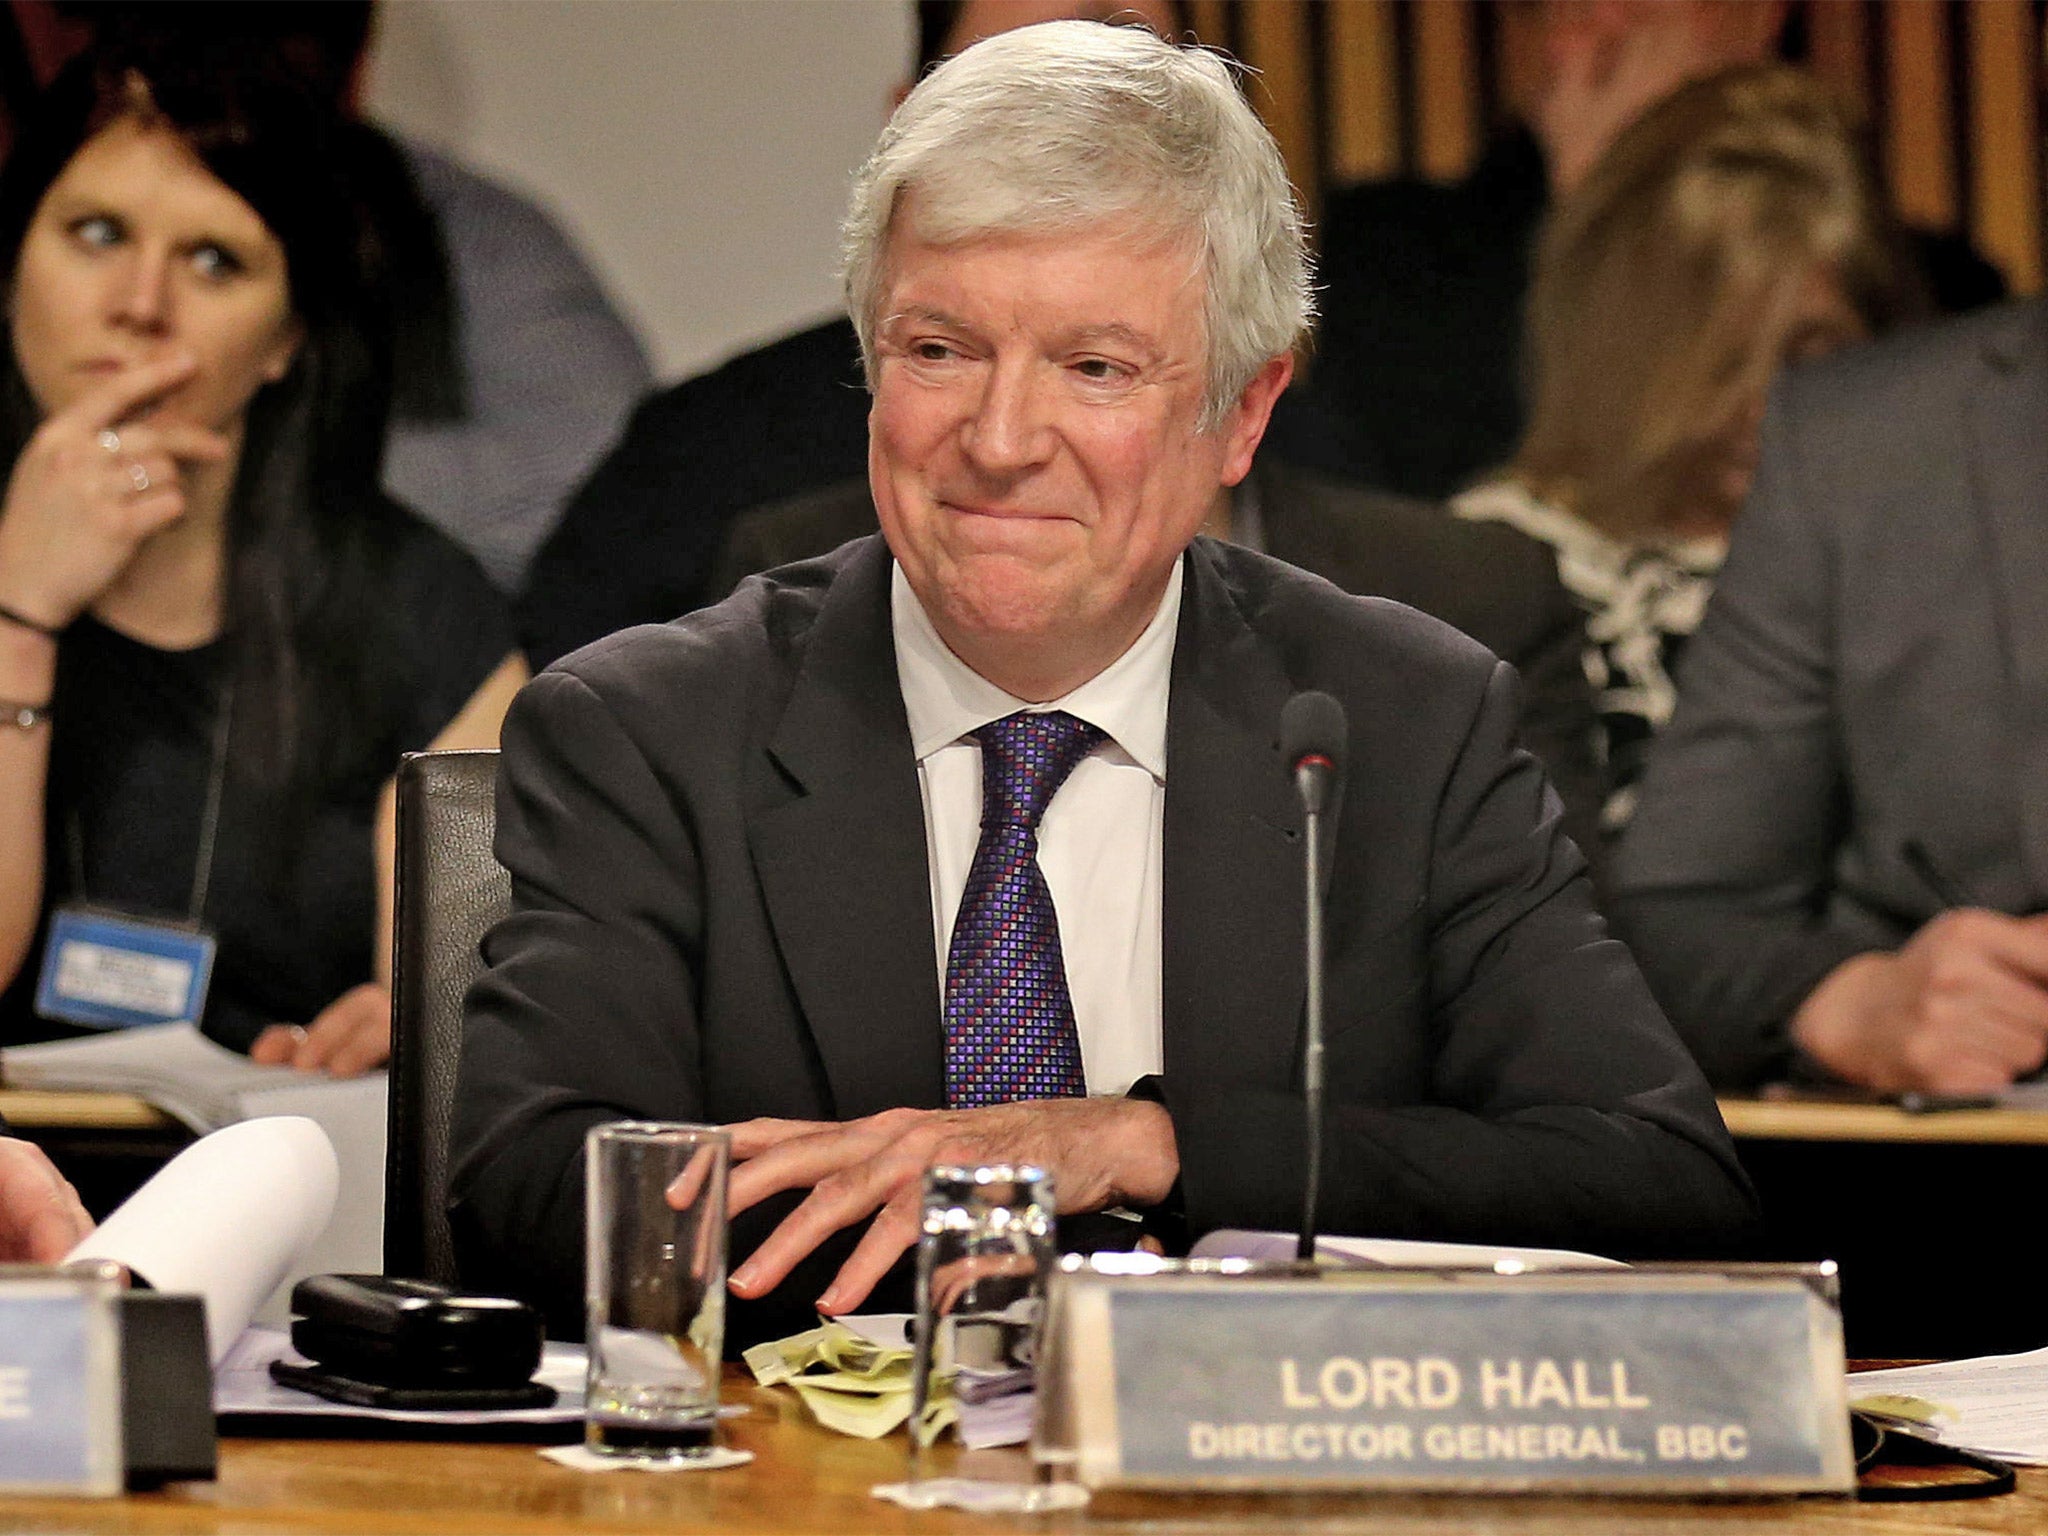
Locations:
(1962, 1008)
(1099, 1151)
(352, 1035)
(40, 1217)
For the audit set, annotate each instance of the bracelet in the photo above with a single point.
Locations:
(24, 717)
(22, 619)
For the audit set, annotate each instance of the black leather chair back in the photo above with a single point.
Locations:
(451, 889)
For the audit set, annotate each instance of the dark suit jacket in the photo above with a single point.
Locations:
(1872, 673)
(1494, 582)
(721, 909)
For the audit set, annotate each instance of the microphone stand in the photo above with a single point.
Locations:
(1312, 785)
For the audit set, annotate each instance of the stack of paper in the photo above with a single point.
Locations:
(851, 1381)
(243, 1387)
(1996, 1405)
(854, 1375)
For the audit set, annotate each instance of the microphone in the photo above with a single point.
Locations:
(1312, 737)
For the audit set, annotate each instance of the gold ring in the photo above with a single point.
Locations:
(110, 440)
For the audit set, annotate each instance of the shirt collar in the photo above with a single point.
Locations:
(946, 699)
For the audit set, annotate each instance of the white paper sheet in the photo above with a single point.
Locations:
(242, 1384)
(227, 1218)
(1995, 1404)
(353, 1112)
(1375, 1252)
(173, 1066)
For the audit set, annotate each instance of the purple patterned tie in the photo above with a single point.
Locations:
(1009, 1020)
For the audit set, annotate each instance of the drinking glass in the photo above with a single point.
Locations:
(654, 1287)
(982, 1261)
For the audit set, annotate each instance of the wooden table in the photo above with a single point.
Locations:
(1932, 1217)
(807, 1480)
(1794, 1118)
(34, 1109)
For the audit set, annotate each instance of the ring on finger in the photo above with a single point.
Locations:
(110, 440)
(139, 478)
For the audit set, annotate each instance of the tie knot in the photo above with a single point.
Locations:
(1025, 758)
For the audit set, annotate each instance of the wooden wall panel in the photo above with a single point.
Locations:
(1277, 40)
(1447, 110)
(2005, 137)
(1365, 90)
(1919, 158)
(1838, 42)
(1209, 20)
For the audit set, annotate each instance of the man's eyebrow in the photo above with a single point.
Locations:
(1114, 333)
(925, 314)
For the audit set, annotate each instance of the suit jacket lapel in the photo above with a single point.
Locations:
(842, 864)
(1231, 963)
(2009, 442)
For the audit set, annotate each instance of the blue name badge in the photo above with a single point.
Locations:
(60, 1383)
(106, 971)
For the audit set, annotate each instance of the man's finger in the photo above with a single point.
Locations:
(830, 1206)
(799, 1162)
(888, 1237)
(750, 1138)
(684, 1188)
(130, 389)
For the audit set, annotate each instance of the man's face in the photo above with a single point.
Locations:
(1034, 446)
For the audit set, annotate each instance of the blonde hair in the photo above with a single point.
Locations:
(1069, 124)
(1665, 285)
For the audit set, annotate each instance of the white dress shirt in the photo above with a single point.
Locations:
(1099, 842)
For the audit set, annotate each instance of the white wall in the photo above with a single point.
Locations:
(697, 150)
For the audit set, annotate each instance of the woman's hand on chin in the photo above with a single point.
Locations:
(94, 482)
(351, 1036)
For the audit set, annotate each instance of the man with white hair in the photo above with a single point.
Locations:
(973, 842)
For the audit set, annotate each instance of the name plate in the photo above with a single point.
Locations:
(1236, 1376)
(60, 1382)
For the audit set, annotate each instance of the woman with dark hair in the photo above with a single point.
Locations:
(216, 634)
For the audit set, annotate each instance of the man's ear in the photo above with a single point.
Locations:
(1246, 425)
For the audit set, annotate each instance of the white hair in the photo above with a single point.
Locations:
(1071, 124)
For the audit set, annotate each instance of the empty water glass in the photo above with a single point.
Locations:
(655, 1287)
